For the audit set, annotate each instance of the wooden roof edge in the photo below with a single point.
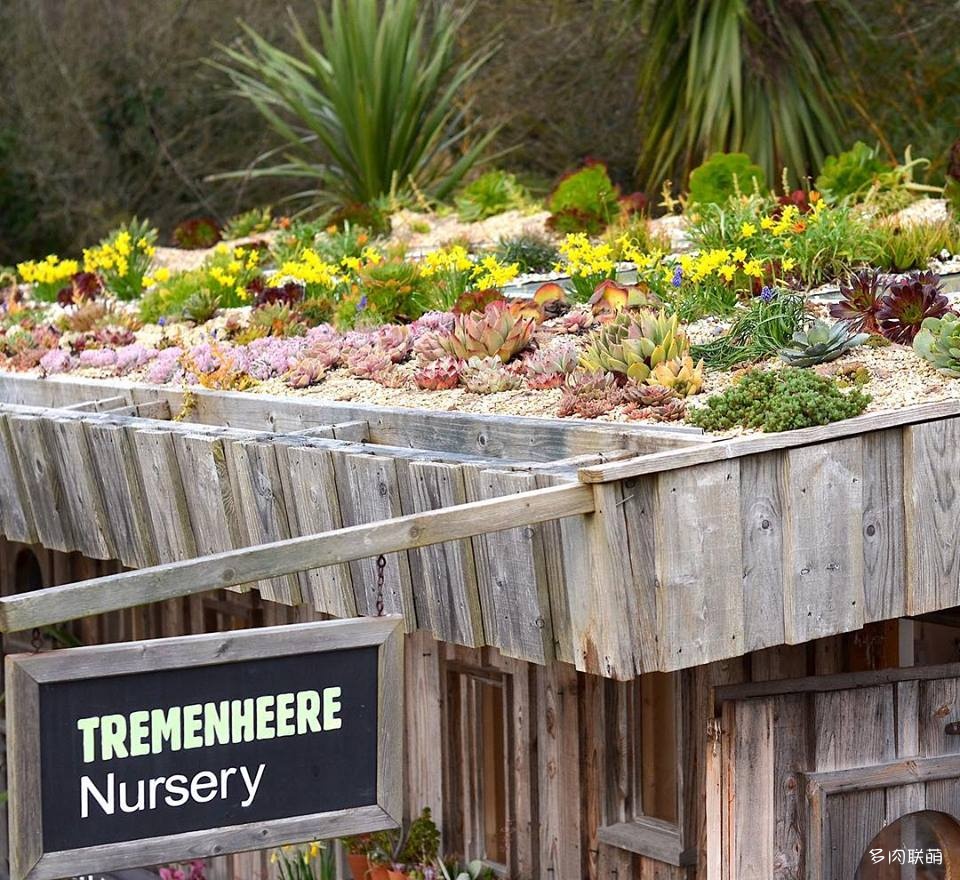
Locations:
(737, 447)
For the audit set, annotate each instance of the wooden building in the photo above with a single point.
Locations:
(631, 652)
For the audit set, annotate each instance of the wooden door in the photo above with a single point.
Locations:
(816, 773)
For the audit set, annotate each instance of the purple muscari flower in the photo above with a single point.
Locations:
(56, 361)
(362, 304)
(161, 321)
(677, 279)
(767, 294)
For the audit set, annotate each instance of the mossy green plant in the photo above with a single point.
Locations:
(779, 400)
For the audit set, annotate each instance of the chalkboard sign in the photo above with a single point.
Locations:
(137, 754)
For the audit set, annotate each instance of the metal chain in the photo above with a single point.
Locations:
(381, 565)
(36, 640)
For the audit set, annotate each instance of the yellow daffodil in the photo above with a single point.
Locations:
(739, 254)
(767, 223)
(753, 268)
(727, 271)
(748, 230)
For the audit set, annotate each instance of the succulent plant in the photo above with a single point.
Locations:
(432, 322)
(307, 372)
(939, 342)
(201, 306)
(275, 319)
(908, 301)
(575, 321)
(56, 361)
(496, 332)
(610, 298)
(681, 376)
(819, 343)
(589, 395)
(476, 300)
(488, 375)
(326, 351)
(83, 286)
(390, 377)
(394, 340)
(366, 362)
(550, 366)
(438, 375)
(668, 411)
(288, 291)
(632, 346)
(860, 299)
(640, 395)
(113, 336)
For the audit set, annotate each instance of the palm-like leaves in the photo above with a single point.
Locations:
(739, 75)
(374, 106)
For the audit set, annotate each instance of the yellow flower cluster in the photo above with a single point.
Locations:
(444, 260)
(489, 272)
(114, 256)
(582, 257)
(724, 264)
(159, 276)
(368, 255)
(311, 268)
(52, 270)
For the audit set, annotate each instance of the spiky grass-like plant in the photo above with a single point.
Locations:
(372, 104)
(739, 75)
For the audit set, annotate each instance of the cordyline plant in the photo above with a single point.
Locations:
(374, 106)
(740, 75)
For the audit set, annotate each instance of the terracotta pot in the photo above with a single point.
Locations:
(377, 872)
(398, 875)
(359, 865)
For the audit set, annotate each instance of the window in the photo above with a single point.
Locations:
(477, 712)
(644, 767)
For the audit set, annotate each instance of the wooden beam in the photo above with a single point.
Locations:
(843, 681)
(875, 776)
(248, 564)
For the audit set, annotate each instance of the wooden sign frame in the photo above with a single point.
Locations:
(25, 673)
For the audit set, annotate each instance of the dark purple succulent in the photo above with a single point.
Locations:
(860, 299)
(82, 286)
(289, 293)
(907, 301)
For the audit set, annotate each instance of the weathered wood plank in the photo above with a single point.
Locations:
(310, 489)
(699, 565)
(854, 728)
(264, 512)
(372, 494)
(203, 469)
(762, 499)
(447, 597)
(556, 575)
(639, 511)
(932, 494)
(514, 596)
(85, 506)
(884, 526)
(125, 504)
(939, 705)
(558, 741)
(823, 541)
(753, 765)
(603, 619)
(163, 485)
(424, 726)
(41, 480)
(16, 515)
